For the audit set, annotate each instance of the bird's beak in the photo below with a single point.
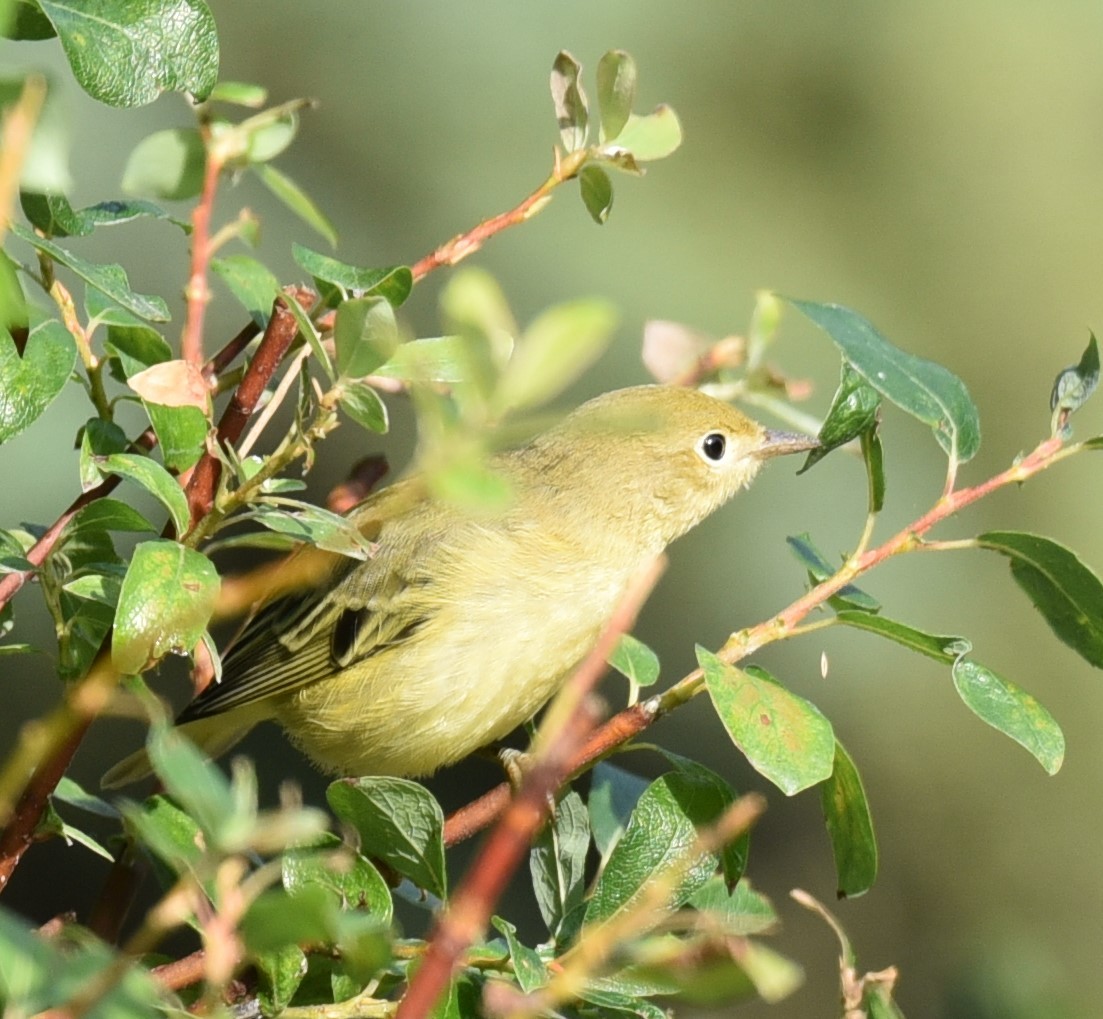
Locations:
(779, 443)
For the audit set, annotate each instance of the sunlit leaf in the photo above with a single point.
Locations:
(154, 479)
(528, 967)
(167, 164)
(1012, 711)
(165, 604)
(635, 661)
(652, 136)
(616, 91)
(853, 412)
(250, 281)
(393, 282)
(784, 737)
(364, 405)
(920, 387)
(558, 865)
(941, 648)
(1062, 588)
(163, 45)
(31, 382)
(365, 336)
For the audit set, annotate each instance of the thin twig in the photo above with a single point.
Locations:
(197, 292)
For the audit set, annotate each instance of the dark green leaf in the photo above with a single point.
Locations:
(597, 192)
(616, 91)
(820, 569)
(661, 836)
(399, 822)
(556, 348)
(154, 479)
(181, 434)
(873, 455)
(137, 347)
(941, 648)
(351, 877)
(393, 283)
(635, 661)
(528, 967)
(920, 387)
(614, 1003)
(614, 793)
(569, 100)
(1074, 385)
(280, 971)
(55, 216)
(655, 135)
(1012, 711)
(167, 164)
(365, 336)
(127, 52)
(29, 384)
(251, 282)
(853, 413)
(13, 302)
(558, 865)
(1065, 591)
(362, 403)
(297, 200)
(850, 827)
(741, 911)
(166, 602)
(29, 23)
(784, 737)
(277, 919)
(110, 279)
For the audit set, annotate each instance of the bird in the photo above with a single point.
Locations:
(464, 624)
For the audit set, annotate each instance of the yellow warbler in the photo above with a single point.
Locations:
(463, 625)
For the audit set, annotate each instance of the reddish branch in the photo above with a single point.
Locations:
(197, 291)
(278, 336)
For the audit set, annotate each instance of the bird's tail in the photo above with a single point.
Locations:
(213, 735)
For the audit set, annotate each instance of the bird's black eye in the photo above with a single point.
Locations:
(713, 446)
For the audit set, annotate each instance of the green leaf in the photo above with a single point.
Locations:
(850, 827)
(280, 971)
(181, 433)
(29, 384)
(190, 778)
(1065, 591)
(350, 877)
(472, 303)
(166, 602)
(29, 23)
(167, 164)
(433, 359)
(661, 835)
(853, 413)
(614, 794)
(251, 282)
(167, 831)
(52, 824)
(784, 737)
(154, 479)
(393, 283)
(363, 404)
(278, 918)
(818, 567)
(1074, 385)
(127, 52)
(635, 661)
(317, 526)
(70, 792)
(110, 279)
(616, 91)
(100, 587)
(137, 347)
(240, 93)
(873, 456)
(528, 967)
(740, 912)
(920, 387)
(655, 135)
(569, 100)
(365, 336)
(615, 1003)
(1012, 711)
(558, 865)
(108, 515)
(399, 822)
(13, 302)
(945, 649)
(53, 214)
(296, 199)
(557, 347)
(597, 192)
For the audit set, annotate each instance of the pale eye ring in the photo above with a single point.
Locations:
(713, 447)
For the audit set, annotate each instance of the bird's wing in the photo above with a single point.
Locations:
(300, 639)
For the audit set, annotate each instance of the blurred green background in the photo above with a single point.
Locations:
(935, 166)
